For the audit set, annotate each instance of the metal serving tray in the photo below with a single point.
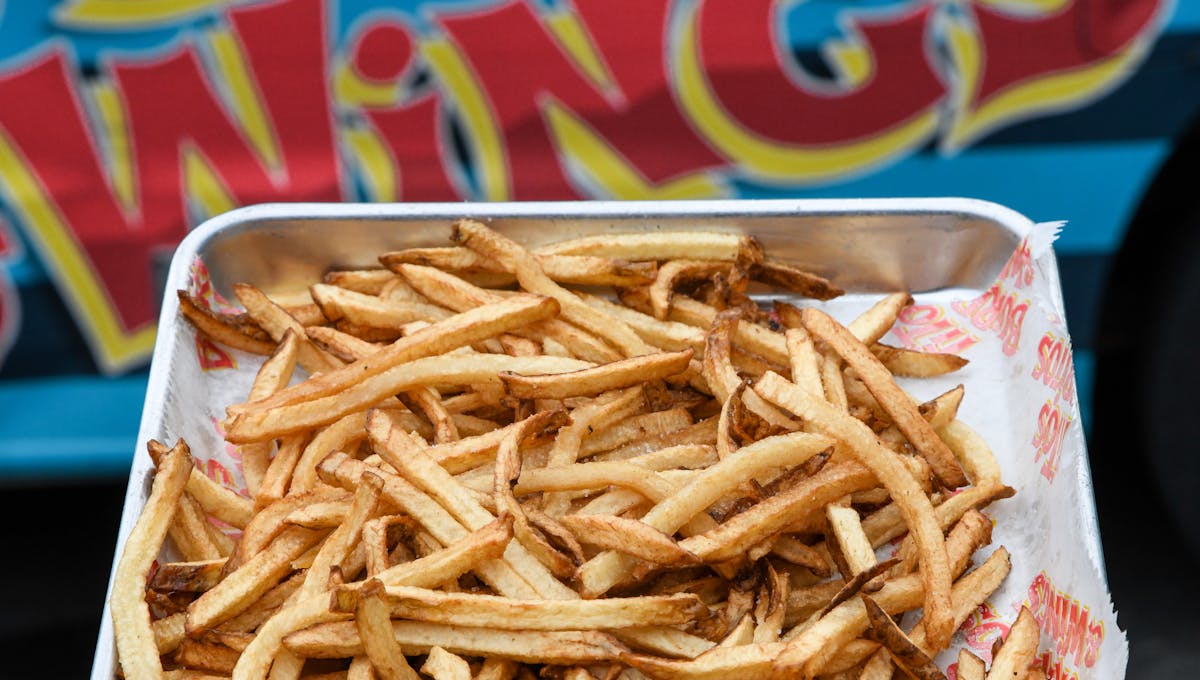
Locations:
(865, 245)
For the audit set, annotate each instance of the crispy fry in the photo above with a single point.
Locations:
(375, 629)
(796, 280)
(500, 613)
(874, 323)
(341, 640)
(589, 381)
(460, 330)
(508, 469)
(912, 502)
(471, 370)
(134, 637)
(663, 289)
(522, 263)
(899, 407)
(258, 575)
(442, 665)
(276, 321)
(1018, 650)
(577, 269)
(911, 363)
(220, 327)
(628, 536)
(368, 310)
(970, 667)
(367, 281)
(909, 656)
(657, 245)
(852, 542)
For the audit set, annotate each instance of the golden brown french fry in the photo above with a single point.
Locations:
(278, 477)
(1018, 650)
(455, 293)
(501, 613)
(188, 533)
(340, 434)
(187, 577)
(276, 321)
(970, 667)
(522, 263)
(272, 376)
(340, 640)
(607, 569)
(168, 633)
(577, 269)
(912, 363)
(585, 420)
(460, 330)
(375, 629)
(136, 650)
(874, 323)
(442, 665)
(508, 469)
(805, 361)
(221, 328)
(590, 381)
(972, 451)
(344, 471)
(467, 370)
(670, 273)
(368, 281)
(250, 581)
(653, 245)
(907, 655)
(628, 536)
(796, 280)
(887, 468)
(894, 400)
(852, 541)
(205, 656)
(369, 310)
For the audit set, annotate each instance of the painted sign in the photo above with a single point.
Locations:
(107, 165)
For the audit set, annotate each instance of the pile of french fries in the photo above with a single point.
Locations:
(488, 475)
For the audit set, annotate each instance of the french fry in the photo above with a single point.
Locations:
(250, 581)
(460, 330)
(697, 245)
(590, 381)
(911, 363)
(134, 637)
(628, 536)
(584, 270)
(366, 281)
(874, 323)
(1018, 650)
(442, 665)
(912, 502)
(796, 280)
(501, 613)
(898, 405)
(528, 272)
(272, 376)
(470, 370)
(276, 321)
(970, 667)
(221, 328)
(340, 640)
(369, 310)
(908, 656)
(375, 629)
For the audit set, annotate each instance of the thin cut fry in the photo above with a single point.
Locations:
(913, 504)
(628, 536)
(902, 410)
(588, 381)
(374, 626)
(1018, 650)
(442, 665)
(134, 637)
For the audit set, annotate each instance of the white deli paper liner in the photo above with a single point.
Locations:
(1020, 396)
